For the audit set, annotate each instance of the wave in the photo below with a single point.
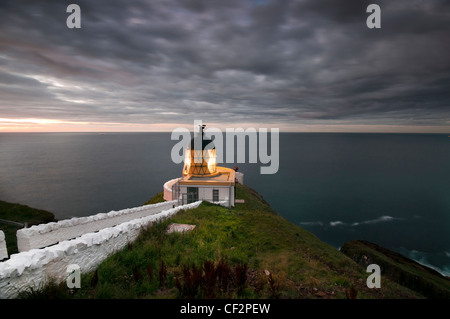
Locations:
(381, 219)
(337, 223)
(423, 258)
(376, 221)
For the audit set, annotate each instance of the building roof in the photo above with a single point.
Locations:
(225, 177)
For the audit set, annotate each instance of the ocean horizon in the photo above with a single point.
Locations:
(388, 188)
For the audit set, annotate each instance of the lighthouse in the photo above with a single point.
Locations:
(201, 178)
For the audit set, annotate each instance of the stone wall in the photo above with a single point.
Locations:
(33, 268)
(3, 250)
(44, 235)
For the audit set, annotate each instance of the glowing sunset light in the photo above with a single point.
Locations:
(55, 125)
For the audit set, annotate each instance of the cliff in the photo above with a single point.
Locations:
(399, 269)
(20, 214)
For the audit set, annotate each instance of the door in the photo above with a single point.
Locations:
(192, 194)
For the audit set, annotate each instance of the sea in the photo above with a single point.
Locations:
(390, 189)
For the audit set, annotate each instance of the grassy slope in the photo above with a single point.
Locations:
(399, 268)
(22, 214)
(300, 264)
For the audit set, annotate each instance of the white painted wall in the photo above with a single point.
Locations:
(3, 250)
(168, 184)
(168, 195)
(44, 235)
(206, 192)
(34, 267)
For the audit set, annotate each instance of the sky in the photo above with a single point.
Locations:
(301, 66)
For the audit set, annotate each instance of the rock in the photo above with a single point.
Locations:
(179, 228)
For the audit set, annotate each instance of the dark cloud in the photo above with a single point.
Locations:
(338, 11)
(168, 61)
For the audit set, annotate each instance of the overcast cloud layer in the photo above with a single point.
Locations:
(281, 63)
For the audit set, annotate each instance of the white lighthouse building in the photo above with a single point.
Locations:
(201, 178)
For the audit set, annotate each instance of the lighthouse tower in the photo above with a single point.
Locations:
(200, 158)
(201, 178)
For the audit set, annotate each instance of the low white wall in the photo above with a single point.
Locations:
(240, 177)
(44, 235)
(33, 268)
(168, 184)
(168, 194)
(3, 250)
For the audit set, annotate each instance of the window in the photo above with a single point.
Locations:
(215, 195)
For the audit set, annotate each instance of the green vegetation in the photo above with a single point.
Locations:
(21, 214)
(248, 251)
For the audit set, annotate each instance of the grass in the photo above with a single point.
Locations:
(21, 214)
(254, 250)
(158, 198)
